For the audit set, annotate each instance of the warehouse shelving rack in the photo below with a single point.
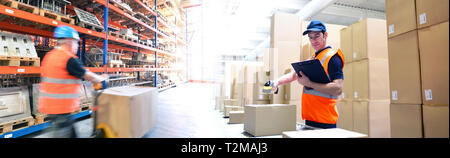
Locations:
(20, 21)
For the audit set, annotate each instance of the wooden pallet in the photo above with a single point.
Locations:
(20, 6)
(115, 34)
(19, 61)
(16, 124)
(56, 16)
(84, 107)
(40, 118)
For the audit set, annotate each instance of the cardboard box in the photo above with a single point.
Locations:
(236, 117)
(372, 118)
(298, 105)
(323, 133)
(406, 121)
(227, 109)
(345, 109)
(400, 16)
(293, 91)
(250, 70)
(434, 63)
(346, 44)
(284, 54)
(371, 79)
(219, 103)
(266, 59)
(347, 90)
(369, 39)
(307, 51)
(285, 27)
(404, 69)
(271, 119)
(262, 102)
(435, 121)
(129, 111)
(431, 12)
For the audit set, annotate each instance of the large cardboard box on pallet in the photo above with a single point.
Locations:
(406, 121)
(431, 12)
(435, 121)
(270, 119)
(369, 39)
(285, 27)
(434, 63)
(371, 79)
(404, 69)
(372, 118)
(400, 16)
(129, 111)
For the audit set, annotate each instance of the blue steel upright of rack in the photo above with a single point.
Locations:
(105, 42)
(155, 82)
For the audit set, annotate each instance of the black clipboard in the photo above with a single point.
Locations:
(313, 69)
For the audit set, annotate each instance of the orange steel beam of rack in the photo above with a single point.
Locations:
(51, 22)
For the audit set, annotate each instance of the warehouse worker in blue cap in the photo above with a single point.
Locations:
(60, 87)
(319, 100)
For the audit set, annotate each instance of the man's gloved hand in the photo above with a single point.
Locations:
(101, 85)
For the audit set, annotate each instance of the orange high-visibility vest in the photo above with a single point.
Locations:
(317, 106)
(59, 91)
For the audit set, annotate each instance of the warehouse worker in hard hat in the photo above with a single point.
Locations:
(319, 100)
(61, 74)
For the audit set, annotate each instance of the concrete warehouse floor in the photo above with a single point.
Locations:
(185, 111)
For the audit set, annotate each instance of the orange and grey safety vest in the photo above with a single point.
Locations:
(59, 91)
(317, 106)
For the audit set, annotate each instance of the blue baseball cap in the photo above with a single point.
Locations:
(315, 25)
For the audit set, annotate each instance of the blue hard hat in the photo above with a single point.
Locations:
(66, 32)
(315, 25)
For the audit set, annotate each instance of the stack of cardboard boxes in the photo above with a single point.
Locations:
(364, 104)
(418, 32)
